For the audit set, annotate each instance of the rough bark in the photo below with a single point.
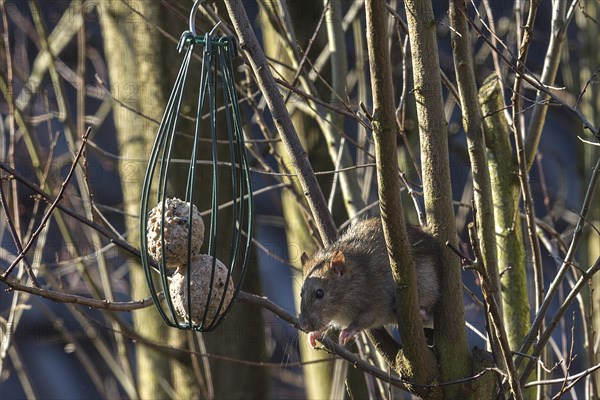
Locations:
(462, 52)
(450, 336)
(416, 361)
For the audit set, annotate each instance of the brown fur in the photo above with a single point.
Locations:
(355, 279)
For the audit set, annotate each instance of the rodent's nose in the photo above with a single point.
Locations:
(302, 321)
(304, 324)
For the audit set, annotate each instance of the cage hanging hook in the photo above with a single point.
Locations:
(191, 32)
(192, 22)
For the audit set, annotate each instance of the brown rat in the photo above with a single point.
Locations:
(349, 285)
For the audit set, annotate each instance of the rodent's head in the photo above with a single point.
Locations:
(321, 290)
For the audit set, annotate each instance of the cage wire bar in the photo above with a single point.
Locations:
(216, 72)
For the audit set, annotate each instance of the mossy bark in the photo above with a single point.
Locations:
(590, 104)
(505, 193)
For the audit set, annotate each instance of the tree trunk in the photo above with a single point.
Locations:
(417, 361)
(590, 104)
(505, 193)
(450, 336)
(126, 57)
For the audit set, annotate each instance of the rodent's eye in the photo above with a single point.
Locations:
(319, 294)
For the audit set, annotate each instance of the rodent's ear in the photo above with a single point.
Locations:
(305, 266)
(303, 258)
(338, 263)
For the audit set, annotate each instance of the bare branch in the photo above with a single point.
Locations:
(352, 358)
(560, 24)
(416, 356)
(553, 288)
(572, 296)
(495, 318)
(61, 297)
(281, 118)
(46, 217)
(472, 124)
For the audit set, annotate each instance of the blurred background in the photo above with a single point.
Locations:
(110, 65)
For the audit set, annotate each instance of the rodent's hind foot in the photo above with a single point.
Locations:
(426, 317)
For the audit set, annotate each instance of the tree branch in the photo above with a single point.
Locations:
(551, 63)
(471, 116)
(330, 345)
(102, 230)
(545, 336)
(505, 194)
(352, 358)
(282, 121)
(417, 357)
(450, 337)
(46, 217)
(531, 79)
(60, 297)
(492, 309)
(554, 286)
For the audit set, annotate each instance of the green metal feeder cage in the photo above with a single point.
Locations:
(198, 289)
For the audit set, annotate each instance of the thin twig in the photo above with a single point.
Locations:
(571, 378)
(15, 235)
(588, 142)
(553, 288)
(495, 318)
(571, 358)
(307, 96)
(46, 217)
(530, 78)
(282, 121)
(589, 81)
(61, 297)
(305, 53)
(572, 296)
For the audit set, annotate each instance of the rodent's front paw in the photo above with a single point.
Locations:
(313, 337)
(347, 334)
